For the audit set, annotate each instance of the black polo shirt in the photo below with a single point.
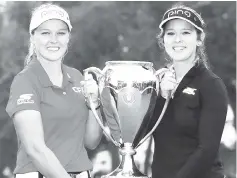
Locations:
(63, 113)
(188, 137)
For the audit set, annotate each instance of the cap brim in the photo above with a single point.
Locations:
(178, 17)
(38, 24)
(62, 19)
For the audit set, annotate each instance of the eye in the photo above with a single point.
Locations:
(170, 33)
(186, 33)
(61, 33)
(45, 33)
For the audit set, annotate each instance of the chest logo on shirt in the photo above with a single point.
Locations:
(25, 99)
(76, 89)
(190, 91)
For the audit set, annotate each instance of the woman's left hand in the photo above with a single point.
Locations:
(90, 89)
(168, 82)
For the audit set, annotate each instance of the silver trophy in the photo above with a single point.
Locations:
(128, 92)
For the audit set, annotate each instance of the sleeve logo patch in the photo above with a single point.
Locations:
(25, 99)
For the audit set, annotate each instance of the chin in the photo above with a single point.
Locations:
(180, 57)
(176, 58)
(54, 57)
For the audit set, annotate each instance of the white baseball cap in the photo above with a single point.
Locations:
(47, 12)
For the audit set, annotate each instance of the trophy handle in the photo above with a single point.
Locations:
(98, 74)
(157, 122)
(101, 124)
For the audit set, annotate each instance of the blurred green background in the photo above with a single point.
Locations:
(109, 30)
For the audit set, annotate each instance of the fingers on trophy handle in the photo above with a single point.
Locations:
(94, 70)
(160, 73)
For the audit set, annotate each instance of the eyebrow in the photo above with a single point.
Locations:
(50, 30)
(181, 29)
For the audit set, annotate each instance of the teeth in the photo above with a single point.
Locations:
(178, 48)
(53, 48)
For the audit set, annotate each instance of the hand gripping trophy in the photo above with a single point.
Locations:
(128, 92)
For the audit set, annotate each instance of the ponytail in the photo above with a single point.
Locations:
(31, 54)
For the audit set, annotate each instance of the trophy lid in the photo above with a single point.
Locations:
(144, 64)
(131, 71)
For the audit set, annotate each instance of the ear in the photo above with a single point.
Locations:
(69, 40)
(201, 39)
(202, 36)
(199, 42)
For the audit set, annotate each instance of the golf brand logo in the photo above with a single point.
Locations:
(189, 91)
(50, 13)
(25, 99)
(179, 11)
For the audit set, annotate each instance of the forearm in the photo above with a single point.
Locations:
(198, 163)
(47, 163)
(93, 131)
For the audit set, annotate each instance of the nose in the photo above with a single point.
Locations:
(53, 38)
(177, 38)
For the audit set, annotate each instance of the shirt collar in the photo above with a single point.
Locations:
(43, 76)
(193, 71)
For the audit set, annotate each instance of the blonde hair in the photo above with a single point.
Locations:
(201, 56)
(31, 54)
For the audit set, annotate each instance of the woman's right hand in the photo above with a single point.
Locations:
(167, 80)
(90, 88)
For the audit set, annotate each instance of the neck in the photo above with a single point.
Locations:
(52, 68)
(181, 68)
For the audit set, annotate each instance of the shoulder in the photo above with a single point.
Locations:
(210, 83)
(25, 77)
(208, 77)
(208, 74)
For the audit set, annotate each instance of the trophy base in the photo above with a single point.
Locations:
(120, 175)
(127, 167)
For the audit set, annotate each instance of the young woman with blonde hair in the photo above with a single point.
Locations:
(47, 104)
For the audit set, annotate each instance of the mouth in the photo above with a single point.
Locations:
(179, 48)
(53, 48)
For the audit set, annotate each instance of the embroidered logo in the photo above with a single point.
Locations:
(190, 91)
(76, 89)
(25, 99)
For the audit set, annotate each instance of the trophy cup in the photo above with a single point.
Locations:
(128, 92)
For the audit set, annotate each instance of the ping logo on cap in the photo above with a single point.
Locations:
(179, 11)
(48, 12)
(53, 13)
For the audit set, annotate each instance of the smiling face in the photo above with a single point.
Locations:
(180, 40)
(51, 40)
